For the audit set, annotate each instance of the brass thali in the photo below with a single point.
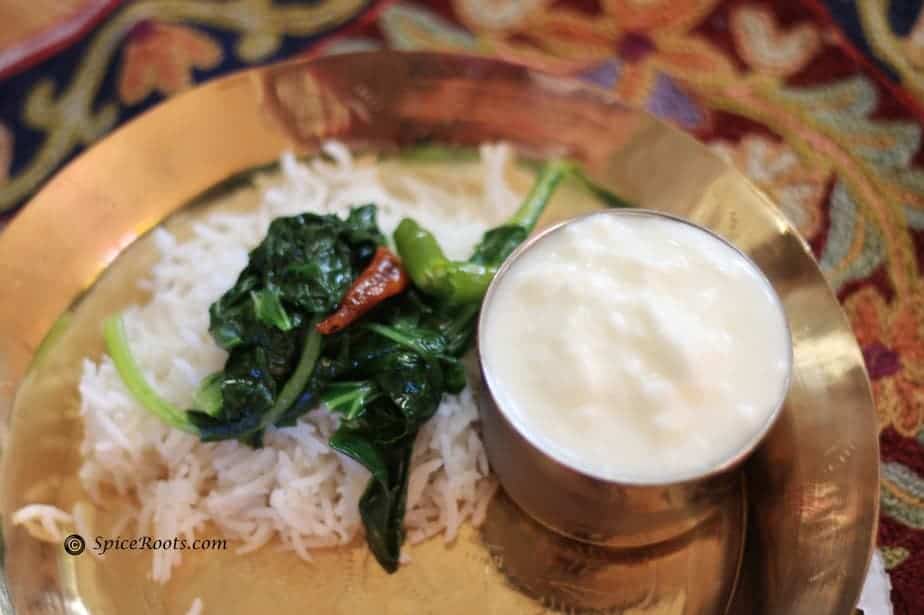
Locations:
(806, 513)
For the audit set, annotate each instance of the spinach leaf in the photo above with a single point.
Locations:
(297, 275)
(350, 399)
(247, 385)
(413, 384)
(302, 267)
(497, 244)
(382, 504)
(402, 360)
(381, 507)
(268, 308)
(422, 340)
(363, 448)
(207, 397)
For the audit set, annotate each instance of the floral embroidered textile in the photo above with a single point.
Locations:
(819, 102)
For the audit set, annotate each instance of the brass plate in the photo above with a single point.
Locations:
(813, 485)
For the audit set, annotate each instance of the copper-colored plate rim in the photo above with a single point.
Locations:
(18, 343)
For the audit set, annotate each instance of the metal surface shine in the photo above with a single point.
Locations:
(812, 486)
(587, 507)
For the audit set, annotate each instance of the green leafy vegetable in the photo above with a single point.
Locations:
(382, 507)
(208, 396)
(391, 374)
(267, 307)
(349, 398)
(296, 276)
(384, 374)
(302, 268)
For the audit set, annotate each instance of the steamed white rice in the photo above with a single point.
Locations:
(295, 490)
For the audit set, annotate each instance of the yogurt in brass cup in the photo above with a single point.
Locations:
(632, 502)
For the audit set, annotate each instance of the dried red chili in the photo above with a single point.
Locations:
(383, 278)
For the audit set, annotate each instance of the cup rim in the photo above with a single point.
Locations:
(727, 464)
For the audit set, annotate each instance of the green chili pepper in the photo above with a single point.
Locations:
(459, 282)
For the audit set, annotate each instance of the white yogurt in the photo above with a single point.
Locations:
(636, 347)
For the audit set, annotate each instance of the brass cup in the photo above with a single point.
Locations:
(593, 509)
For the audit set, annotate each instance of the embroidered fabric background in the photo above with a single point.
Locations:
(820, 102)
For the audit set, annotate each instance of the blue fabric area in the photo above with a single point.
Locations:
(902, 16)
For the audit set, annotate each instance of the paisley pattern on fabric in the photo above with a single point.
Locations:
(819, 102)
(161, 58)
(776, 168)
(767, 47)
(904, 54)
(6, 153)
(134, 58)
(892, 339)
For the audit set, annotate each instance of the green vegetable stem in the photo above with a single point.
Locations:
(204, 421)
(134, 380)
